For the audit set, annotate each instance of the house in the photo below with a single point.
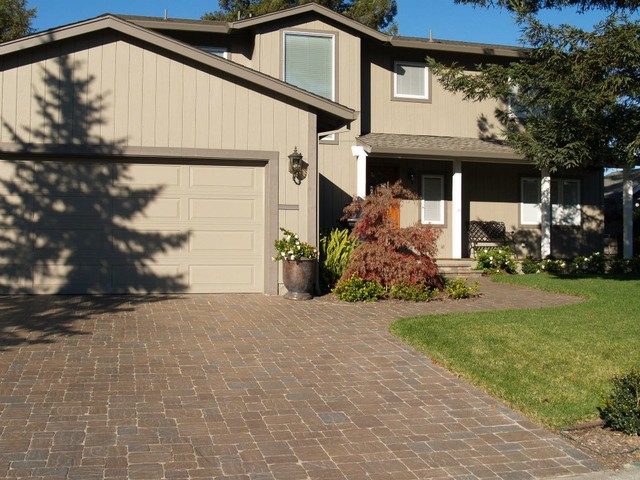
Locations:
(146, 154)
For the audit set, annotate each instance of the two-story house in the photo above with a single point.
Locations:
(153, 154)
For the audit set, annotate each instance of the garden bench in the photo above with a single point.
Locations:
(490, 233)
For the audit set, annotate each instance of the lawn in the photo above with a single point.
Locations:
(550, 363)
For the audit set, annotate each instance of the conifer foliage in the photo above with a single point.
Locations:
(574, 99)
(388, 254)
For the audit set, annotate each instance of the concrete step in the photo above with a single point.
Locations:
(453, 267)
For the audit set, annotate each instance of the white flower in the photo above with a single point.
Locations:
(292, 257)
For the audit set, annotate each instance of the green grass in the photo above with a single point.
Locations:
(551, 363)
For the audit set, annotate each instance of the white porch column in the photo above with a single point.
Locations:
(545, 213)
(361, 170)
(456, 205)
(627, 213)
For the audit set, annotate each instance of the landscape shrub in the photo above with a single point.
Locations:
(554, 266)
(496, 260)
(593, 264)
(418, 292)
(620, 266)
(620, 409)
(459, 288)
(357, 289)
(389, 254)
(530, 266)
(335, 250)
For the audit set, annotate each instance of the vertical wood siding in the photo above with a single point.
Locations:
(446, 114)
(136, 97)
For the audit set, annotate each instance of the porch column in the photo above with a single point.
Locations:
(361, 170)
(545, 213)
(627, 213)
(456, 206)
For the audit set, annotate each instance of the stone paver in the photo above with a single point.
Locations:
(253, 387)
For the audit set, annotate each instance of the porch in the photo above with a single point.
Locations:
(462, 180)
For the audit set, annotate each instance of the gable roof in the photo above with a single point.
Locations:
(395, 41)
(333, 114)
(307, 8)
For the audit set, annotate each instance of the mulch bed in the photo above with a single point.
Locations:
(612, 449)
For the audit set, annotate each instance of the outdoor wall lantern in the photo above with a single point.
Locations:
(411, 175)
(296, 168)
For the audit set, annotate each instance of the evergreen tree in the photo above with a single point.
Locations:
(377, 14)
(15, 19)
(574, 99)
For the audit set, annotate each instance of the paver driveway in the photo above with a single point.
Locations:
(255, 387)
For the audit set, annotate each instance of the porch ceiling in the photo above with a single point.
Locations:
(432, 146)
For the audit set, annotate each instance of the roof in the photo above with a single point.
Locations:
(395, 41)
(334, 115)
(429, 145)
(613, 182)
(183, 24)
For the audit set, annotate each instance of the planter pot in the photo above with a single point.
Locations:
(298, 276)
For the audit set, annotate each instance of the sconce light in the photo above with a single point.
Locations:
(295, 166)
(411, 175)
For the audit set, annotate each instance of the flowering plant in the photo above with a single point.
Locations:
(289, 247)
(496, 260)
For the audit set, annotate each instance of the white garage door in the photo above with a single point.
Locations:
(78, 226)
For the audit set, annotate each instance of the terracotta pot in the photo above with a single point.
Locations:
(298, 276)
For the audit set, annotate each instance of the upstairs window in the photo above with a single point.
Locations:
(309, 62)
(411, 80)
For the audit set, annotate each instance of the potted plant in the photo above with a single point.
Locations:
(298, 265)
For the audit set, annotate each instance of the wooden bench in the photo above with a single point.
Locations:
(489, 233)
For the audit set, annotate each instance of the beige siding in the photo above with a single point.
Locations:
(138, 98)
(335, 162)
(446, 114)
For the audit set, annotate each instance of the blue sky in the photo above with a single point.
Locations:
(415, 17)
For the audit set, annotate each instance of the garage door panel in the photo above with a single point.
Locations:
(154, 278)
(147, 210)
(238, 210)
(63, 178)
(72, 209)
(235, 277)
(226, 178)
(145, 242)
(148, 176)
(18, 173)
(89, 277)
(63, 243)
(224, 242)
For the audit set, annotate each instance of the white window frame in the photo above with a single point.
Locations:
(219, 51)
(398, 63)
(300, 33)
(441, 219)
(559, 211)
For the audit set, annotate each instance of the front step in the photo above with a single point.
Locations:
(454, 267)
